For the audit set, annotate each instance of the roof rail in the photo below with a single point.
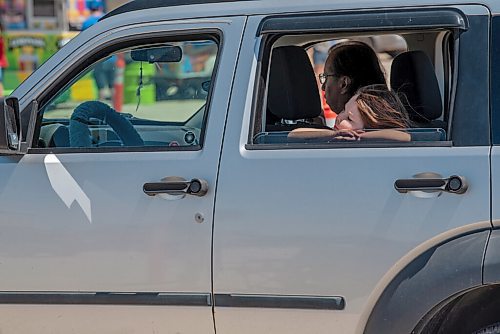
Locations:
(147, 4)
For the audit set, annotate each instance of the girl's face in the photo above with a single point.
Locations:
(350, 117)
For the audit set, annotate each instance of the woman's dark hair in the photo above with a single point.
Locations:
(357, 61)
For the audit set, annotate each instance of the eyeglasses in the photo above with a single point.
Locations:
(323, 76)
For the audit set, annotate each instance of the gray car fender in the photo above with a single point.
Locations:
(441, 267)
(492, 259)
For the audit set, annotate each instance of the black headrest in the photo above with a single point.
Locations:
(293, 91)
(54, 135)
(412, 73)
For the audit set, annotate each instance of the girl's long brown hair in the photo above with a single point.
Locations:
(381, 108)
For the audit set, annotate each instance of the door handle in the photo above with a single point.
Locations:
(176, 186)
(455, 184)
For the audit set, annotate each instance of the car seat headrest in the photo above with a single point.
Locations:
(293, 91)
(54, 135)
(412, 74)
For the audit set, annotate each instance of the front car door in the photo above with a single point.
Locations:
(78, 229)
(317, 232)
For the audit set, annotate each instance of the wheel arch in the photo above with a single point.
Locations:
(438, 270)
(479, 306)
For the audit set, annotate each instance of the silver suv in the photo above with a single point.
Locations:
(176, 202)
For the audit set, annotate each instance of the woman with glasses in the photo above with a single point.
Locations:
(355, 88)
(350, 65)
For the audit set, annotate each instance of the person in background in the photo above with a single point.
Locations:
(96, 12)
(104, 72)
(3, 59)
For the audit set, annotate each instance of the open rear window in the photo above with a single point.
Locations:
(321, 85)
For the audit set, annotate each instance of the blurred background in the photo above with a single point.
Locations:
(33, 30)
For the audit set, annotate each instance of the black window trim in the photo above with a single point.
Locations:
(362, 20)
(112, 149)
(346, 145)
(122, 43)
(495, 80)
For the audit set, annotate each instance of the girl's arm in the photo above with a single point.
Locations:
(388, 134)
(308, 133)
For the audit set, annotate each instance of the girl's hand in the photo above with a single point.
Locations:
(351, 135)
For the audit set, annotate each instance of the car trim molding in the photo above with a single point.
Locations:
(173, 299)
(107, 298)
(280, 301)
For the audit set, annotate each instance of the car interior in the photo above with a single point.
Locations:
(418, 66)
(164, 106)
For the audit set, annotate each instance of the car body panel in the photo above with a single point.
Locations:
(495, 181)
(80, 319)
(324, 222)
(82, 225)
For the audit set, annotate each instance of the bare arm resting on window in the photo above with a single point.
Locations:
(386, 134)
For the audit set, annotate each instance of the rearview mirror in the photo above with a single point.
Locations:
(163, 54)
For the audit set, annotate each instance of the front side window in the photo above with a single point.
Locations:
(144, 96)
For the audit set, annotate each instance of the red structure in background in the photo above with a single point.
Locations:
(329, 114)
(118, 84)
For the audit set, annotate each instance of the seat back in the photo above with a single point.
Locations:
(54, 135)
(293, 98)
(412, 74)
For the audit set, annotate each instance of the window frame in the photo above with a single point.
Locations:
(495, 80)
(274, 27)
(66, 78)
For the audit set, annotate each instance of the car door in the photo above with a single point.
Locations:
(102, 233)
(308, 236)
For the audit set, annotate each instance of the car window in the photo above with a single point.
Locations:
(300, 91)
(154, 95)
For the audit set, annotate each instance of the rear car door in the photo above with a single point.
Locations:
(98, 232)
(317, 232)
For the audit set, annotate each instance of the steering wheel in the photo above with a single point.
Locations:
(79, 132)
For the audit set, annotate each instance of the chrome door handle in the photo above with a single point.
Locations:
(176, 186)
(455, 184)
